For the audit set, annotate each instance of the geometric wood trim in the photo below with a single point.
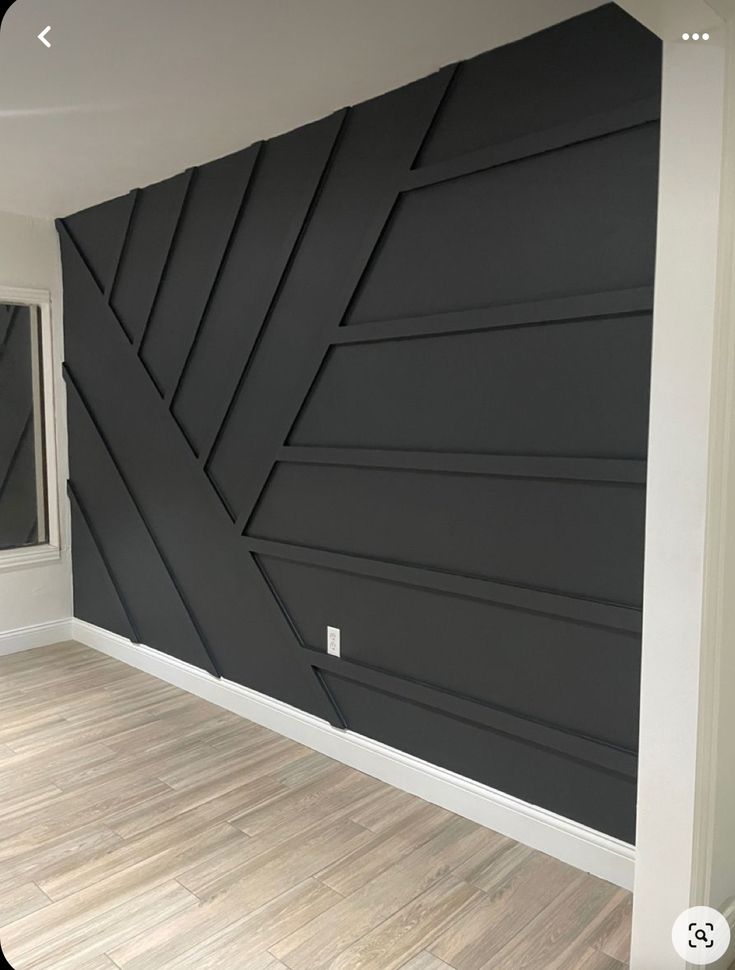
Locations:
(331, 709)
(207, 453)
(73, 385)
(77, 502)
(302, 647)
(591, 751)
(138, 342)
(634, 115)
(555, 310)
(503, 456)
(630, 471)
(132, 199)
(65, 235)
(253, 157)
(326, 323)
(607, 615)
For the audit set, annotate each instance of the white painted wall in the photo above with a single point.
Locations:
(40, 593)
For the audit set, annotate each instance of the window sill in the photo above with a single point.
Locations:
(32, 556)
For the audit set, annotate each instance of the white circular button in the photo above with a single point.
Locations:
(701, 935)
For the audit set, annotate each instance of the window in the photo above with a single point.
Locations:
(28, 516)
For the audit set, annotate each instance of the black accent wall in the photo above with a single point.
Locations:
(390, 372)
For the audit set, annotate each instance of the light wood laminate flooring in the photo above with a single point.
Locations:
(142, 828)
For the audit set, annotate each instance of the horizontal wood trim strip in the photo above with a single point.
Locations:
(644, 111)
(621, 470)
(608, 615)
(565, 309)
(514, 725)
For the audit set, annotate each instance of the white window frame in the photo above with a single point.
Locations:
(49, 551)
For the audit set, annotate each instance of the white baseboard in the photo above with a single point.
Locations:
(569, 841)
(38, 635)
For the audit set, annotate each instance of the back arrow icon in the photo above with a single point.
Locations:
(42, 36)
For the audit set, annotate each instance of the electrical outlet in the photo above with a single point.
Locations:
(333, 641)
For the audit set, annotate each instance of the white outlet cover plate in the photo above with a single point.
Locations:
(333, 646)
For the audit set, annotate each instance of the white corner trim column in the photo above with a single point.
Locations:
(714, 835)
(685, 323)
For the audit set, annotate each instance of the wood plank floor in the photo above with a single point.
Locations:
(145, 829)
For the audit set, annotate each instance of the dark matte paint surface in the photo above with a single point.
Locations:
(18, 511)
(390, 372)
(580, 219)
(96, 597)
(469, 392)
(207, 219)
(153, 221)
(594, 64)
(100, 241)
(155, 608)
(563, 785)
(528, 532)
(511, 658)
(282, 187)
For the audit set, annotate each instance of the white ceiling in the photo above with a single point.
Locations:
(132, 91)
